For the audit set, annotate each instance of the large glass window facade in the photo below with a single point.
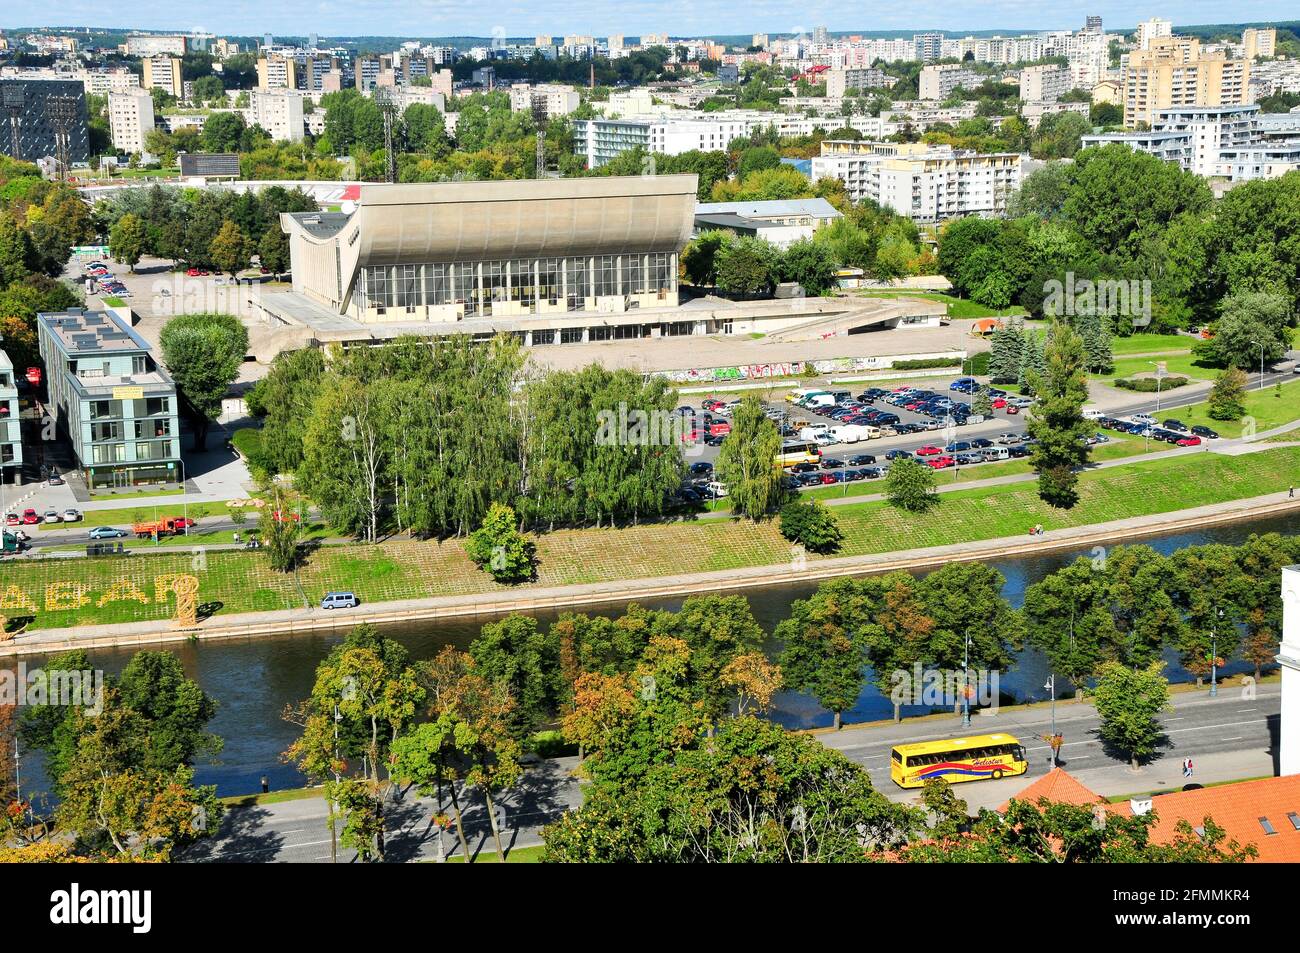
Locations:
(397, 290)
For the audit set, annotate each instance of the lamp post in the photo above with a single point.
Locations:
(1051, 688)
(1261, 362)
(1159, 377)
(1214, 652)
(965, 677)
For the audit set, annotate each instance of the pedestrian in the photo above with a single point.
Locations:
(1190, 767)
(1291, 493)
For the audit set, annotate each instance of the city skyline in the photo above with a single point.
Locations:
(433, 18)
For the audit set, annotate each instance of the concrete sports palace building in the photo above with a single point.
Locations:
(552, 261)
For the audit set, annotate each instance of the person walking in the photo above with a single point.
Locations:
(1291, 494)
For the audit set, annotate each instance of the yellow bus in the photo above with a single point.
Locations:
(957, 759)
(797, 451)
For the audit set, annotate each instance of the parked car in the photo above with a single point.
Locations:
(340, 600)
(929, 450)
(898, 455)
(861, 460)
(12, 519)
(29, 517)
(1008, 438)
(50, 516)
(1143, 419)
(1177, 425)
(1189, 441)
(71, 515)
(106, 532)
(1205, 432)
(980, 443)
(701, 468)
(940, 463)
(831, 463)
(715, 490)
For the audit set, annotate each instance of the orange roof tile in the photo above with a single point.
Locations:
(1059, 787)
(1237, 808)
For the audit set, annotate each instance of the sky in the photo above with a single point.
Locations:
(424, 18)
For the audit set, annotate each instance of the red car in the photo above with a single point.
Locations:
(1012, 409)
(11, 519)
(928, 450)
(196, 273)
(1189, 441)
(940, 463)
(30, 517)
(718, 429)
(827, 479)
(999, 403)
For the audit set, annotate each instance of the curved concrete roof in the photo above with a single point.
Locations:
(464, 221)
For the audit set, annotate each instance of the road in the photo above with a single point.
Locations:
(1228, 737)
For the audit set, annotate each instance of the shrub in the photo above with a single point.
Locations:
(1147, 385)
(498, 547)
(921, 364)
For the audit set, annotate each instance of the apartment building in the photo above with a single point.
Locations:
(840, 81)
(927, 46)
(938, 82)
(130, 119)
(1175, 72)
(164, 72)
(1256, 43)
(927, 183)
(146, 45)
(554, 99)
(11, 441)
(279, 112)
(276, 71)
(1044, 84)
(1151, 30)
(115, 405)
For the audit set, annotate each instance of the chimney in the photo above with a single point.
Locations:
(1140, 805)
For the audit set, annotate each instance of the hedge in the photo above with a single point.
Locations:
(1149, 385)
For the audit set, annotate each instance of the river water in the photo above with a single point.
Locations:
(253, 681)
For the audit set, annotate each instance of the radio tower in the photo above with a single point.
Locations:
(63, 113)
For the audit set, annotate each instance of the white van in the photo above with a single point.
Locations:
(846, 433)
(819, 400)
(1092, 413)
(995, 453)
(813, 431)
(340, 600)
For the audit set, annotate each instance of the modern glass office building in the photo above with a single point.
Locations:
(11, 443)
(110, 399)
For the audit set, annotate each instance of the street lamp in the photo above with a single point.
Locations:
(1214, 653)
(1159, 378)
(965, 675)
(1051, 688)
(1261, 363)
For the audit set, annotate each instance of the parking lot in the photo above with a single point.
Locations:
(926, 430)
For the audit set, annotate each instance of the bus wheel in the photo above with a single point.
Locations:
(997, 775)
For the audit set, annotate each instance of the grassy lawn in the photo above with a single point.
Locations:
(129, 515)
(127, 588)
(1179, 365)
(1150, 344)
(957, 307)
(1266, 408)
(519, 855)
(143, 492)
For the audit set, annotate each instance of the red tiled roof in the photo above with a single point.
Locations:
(1059, 787)
(1237, 808)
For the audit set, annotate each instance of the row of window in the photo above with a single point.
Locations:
(116, 452)
(144, 429)
(119, 409)
(973, 754)
(477, 286)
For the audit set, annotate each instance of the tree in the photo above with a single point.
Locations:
(1128, 702)
(513, 652)
(1056, 418)
(1228, 396)
(1253, 330)
(273, 250)
(279, 529)
(1006, 348)
(699, 258)
(203, 352)
(745, 266)
(1067, 617)
(229, 249)
(499, 547)
(747, 461)
(126, 241)
(982, 403)
(222, 132)
(811, 525)
(809, 264)
(911, 486)
(825, 642)
(343, 459)
(755, 680)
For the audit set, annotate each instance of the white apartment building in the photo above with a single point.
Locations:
(279, 112)
(839, 81)
(938, 82)
(156, 45)
(1152, 29)
(164, 72)
(1044, 84)
(1258, 43)
(929, 184)
(130, 119)
(555, 99)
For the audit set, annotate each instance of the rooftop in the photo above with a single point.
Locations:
(817, 208)
(78, 332)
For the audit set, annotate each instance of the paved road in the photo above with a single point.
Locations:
(1228, 737)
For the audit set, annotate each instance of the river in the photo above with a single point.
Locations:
(253, 681)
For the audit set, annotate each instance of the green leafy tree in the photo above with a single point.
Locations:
(911, 486)
(747, 461)
(203, 353)
(229, 249)
(746, 266)
(812, 525)
(825, 641)
(1056, 418)
(499, 547)
(1228, 396)
(1129, 702)
(515, 653)
(126, 241)
(809, 264)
